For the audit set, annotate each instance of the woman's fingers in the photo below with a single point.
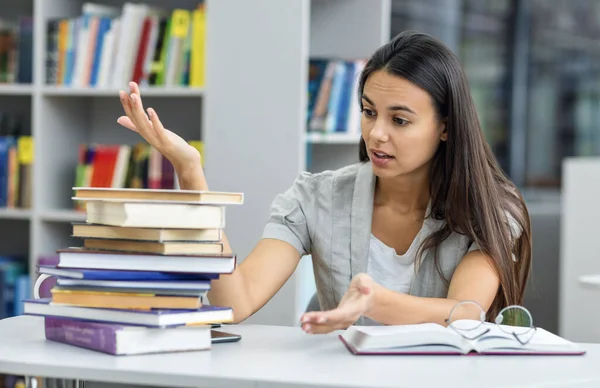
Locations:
(311, 328)
(133, 87)
(139, 116)
(323, 328)
(311, 316)
(127, 123)
(159, 130)
(146, 124)
(135, 90)
(126, 103)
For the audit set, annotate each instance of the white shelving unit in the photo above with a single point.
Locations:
(332, 138)
(256, 103)
(346, 29)
(60, 119)
(250, 116)
(54, 91)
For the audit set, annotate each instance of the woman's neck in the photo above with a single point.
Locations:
(404, 194)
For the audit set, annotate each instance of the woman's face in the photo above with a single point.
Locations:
(399, 125)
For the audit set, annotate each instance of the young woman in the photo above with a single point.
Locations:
(424, 220)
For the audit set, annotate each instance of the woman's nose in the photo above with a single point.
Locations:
(379, 132)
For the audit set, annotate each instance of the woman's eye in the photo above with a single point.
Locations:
(400, 121)
(368, 112)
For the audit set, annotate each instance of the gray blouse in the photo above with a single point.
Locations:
(328, 215)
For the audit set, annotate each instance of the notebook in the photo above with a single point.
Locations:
(432, 339)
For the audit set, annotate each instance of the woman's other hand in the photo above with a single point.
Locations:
(355, 303)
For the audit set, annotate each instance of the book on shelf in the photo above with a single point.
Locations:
(138, 166)
(333, 105)
(108, 46)
(16, 381)
(117, 279)
(16, 160)
(14, 285)
(16, 50)
(432, 339)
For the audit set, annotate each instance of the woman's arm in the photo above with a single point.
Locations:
(270, 264)
(256, 280)
(474, 279)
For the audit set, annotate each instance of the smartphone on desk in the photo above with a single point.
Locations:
(219, 336)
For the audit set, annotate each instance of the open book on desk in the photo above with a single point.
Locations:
(431, 339)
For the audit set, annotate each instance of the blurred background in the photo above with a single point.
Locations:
(534, 74)
(280, 74)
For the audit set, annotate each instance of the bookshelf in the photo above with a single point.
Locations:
(60, 117)
(166, 92)
(250, 114)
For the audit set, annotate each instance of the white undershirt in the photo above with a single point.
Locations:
(389, 269)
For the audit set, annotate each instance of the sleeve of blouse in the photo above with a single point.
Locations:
(291, 212)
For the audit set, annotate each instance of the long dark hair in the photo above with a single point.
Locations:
(467, 187)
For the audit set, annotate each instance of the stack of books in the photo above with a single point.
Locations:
(138, 281)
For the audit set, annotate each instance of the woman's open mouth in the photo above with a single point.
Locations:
(380, 158)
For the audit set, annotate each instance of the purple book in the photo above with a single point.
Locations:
(117, 339)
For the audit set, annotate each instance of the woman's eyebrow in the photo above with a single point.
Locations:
(393, 107)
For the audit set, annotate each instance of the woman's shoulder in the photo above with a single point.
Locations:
(312, 198)
(343, 178)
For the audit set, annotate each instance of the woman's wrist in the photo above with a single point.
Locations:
(191, 177)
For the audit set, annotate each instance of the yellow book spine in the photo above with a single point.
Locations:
(63, 37)
(198, 55)
(13, 177)
(25, 149)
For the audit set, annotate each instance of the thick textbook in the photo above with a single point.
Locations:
(120, 340)
(431, 338)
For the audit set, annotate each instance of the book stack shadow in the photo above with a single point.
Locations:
(138, 281)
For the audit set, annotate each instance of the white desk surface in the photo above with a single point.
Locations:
(276, 356)
(590, 280)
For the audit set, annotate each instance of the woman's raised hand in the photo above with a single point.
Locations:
(184, 157)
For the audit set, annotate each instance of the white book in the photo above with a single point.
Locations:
(132, 20)
(155, 214)
(107, 57)
(431, 338)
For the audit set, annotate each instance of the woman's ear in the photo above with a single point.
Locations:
(444, 133)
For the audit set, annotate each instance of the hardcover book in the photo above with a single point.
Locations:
(117, 339)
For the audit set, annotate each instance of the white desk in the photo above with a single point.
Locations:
(274, 356)
(590, 280)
